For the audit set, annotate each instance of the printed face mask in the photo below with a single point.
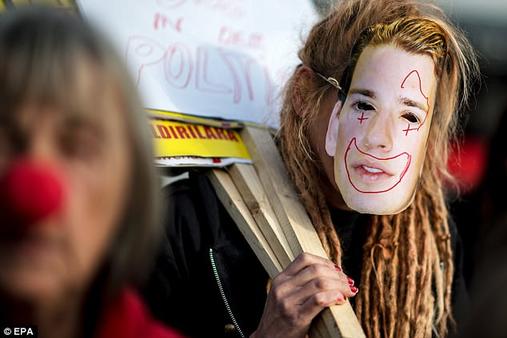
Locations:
(378, 136)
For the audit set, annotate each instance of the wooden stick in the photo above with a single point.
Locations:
(281, 193)
(231, 199)
(336, 321)
(246, 180)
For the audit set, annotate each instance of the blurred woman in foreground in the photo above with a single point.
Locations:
(77, 188)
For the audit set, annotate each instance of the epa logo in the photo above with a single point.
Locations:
(19, 332)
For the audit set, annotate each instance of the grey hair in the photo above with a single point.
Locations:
(41, 50)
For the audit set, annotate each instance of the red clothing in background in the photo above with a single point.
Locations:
(127, 317)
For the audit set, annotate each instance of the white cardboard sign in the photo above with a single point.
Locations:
(212, 58)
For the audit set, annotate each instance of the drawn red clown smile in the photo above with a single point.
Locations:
(370, 174)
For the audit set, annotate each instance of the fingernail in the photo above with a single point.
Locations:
(354, 289)
(351, 281)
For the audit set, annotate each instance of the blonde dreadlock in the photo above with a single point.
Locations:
(408, 266)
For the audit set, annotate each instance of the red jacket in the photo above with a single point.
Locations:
(127, 317)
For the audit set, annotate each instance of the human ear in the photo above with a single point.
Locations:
(302, 78)
(332, 129)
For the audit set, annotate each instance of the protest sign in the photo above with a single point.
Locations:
(212, 58)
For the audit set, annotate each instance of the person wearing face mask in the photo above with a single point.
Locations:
(365, 124)
(78, 191)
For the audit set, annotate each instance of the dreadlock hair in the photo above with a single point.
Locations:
(407, 265)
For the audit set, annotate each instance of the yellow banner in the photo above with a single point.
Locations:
(169, 115)
(176, 139)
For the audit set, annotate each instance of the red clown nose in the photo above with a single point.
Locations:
(29, 193)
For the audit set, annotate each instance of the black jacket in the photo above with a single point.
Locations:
(183, 290)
